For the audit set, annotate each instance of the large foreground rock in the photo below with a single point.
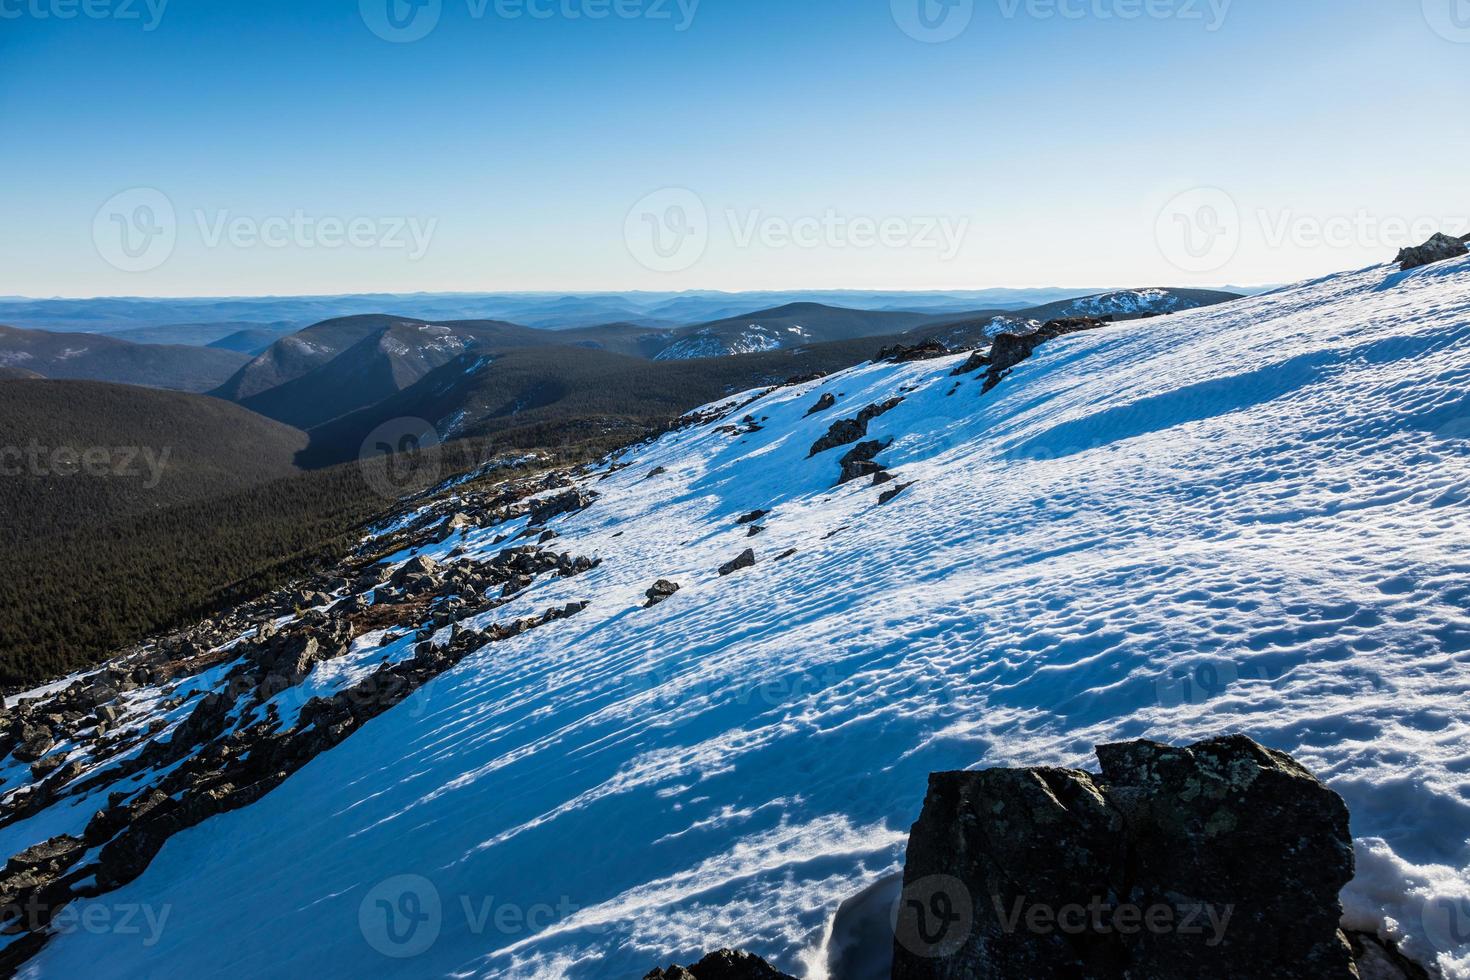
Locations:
(1224, 859)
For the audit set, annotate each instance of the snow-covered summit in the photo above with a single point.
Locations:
(1250, 518)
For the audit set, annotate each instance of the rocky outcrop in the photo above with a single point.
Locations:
(1437, 249)
(567, 502)
(726, 964)
(923, 351)
(1009, 349)
(230, 745)
(859, 462)
(1224, 859)
(844, 432)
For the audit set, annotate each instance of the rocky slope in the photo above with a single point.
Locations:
(1249, 518)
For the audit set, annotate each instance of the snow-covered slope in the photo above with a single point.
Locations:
(1249, 518)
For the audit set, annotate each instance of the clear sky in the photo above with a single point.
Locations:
(201, 147)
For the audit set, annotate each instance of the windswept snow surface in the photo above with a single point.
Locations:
(1250, 518)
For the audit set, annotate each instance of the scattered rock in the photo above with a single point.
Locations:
(662, 589)
(1224, 859)
(656, 471)
(924, 351)
(754, 530)
(1439, 248)
(858, 462)
(726, 964)
(746, 560)
(893, 492)
(823, 403)
(752, 517)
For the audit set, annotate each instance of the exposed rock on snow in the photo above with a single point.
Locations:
(859, 462)
(662, 590)
(822, 404)
(1439, 248)
(1223, 859)
(1008, 350)
(746, 560)
(905, 353)
(725, 964)
(846, 431)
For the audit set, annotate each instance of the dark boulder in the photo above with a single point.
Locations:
(662, 590)
(752, 517)
(858, 461)
(1224, 859)
(1437, 249)
(746, 560)
(892, 492)
(822, 404)
(726, 964)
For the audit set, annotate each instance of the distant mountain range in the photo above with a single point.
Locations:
(204, 321)
(355, 368)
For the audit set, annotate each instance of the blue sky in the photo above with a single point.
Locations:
(285, 147)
